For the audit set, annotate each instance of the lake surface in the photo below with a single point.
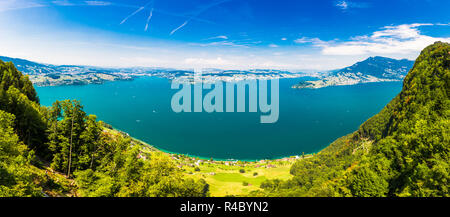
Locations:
(309, 120)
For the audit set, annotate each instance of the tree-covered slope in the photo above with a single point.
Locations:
(402, 151)
(62, 151)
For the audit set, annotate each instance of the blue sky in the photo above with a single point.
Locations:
(229, 34)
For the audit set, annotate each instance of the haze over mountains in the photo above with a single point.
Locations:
(373, 69)
(55, 75)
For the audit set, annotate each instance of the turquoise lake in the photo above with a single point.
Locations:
(309, 120)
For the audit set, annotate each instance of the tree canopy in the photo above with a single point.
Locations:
(402, 151)
(76, 146)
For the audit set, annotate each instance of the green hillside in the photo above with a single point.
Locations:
(62, 151)
(402, 151)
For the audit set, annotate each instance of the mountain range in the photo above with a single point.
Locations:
(373, 69)
(54, 75)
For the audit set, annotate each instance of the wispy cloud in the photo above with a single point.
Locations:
(6, 5)
(223, 40)
(224, 37)
(205, 62)
(98, 3)
(220, 43)
(273, 45)
(313, 41)
(344, 5)
(401, 39)
(80, 3)
(63, 3)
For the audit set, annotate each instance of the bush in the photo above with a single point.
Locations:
(244, 183)
(241, 170)
(255, 174)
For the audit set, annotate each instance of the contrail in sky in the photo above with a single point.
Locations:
(193, 17)
(135, 12)
(184, 24)
(198, 13)
(132, 14)
(148, 20)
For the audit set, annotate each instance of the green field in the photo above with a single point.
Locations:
(229, 180)
(224, 177)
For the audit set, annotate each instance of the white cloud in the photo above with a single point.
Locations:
(306, 40)
(219, 43)
(63, 3)
(342, 4)
(224, 37)
(206, 61)
(273, 45)
(403, 39)
(404, 31)
(6, 5)
(283, 39)
(98, 3)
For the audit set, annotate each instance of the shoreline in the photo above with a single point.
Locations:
(305, 155)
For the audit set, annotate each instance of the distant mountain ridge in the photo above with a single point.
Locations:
(54, 75)
(381, 67)
(33, 68)
(29, 67)
(372, 69)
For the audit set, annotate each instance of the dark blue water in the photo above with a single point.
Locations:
(309, 120)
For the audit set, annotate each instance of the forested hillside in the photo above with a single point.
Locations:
(62, 151)
(402, 151)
